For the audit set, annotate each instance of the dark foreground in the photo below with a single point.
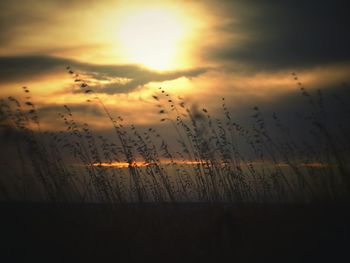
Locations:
(168, 233)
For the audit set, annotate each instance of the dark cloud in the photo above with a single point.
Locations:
(330, 103)
(283, 34)
(22, 68)
(50, 111)
(147, 77)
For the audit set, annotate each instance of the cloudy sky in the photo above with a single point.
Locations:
(244, 51)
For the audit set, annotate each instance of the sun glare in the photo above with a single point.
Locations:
(153, 37)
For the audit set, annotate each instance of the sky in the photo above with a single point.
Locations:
(202, 51)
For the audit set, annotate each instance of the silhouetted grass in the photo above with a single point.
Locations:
(215, 159)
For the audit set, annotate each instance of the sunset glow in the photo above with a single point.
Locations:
(174, 130)
(153, 37)
(143, 164)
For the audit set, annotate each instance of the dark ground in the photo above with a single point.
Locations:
(169, 233)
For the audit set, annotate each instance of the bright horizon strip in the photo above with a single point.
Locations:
(140, 164)
(144, 164)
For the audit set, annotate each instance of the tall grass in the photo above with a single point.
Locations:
(214, 159)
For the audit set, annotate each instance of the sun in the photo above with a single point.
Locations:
(153, 37)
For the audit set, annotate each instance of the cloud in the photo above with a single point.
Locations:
(47, 111)
(146, 77)
(275, 35)
(263, 35)
(19, 17)
(15, 68)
